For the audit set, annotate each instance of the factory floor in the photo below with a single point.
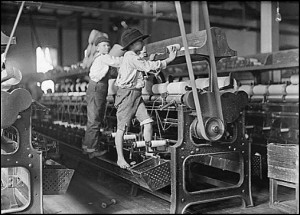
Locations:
(89, 188)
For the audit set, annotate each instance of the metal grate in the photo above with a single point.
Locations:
(153, 173)
(56, 179)
(256, 165)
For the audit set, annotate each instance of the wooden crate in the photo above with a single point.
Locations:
(282, 161)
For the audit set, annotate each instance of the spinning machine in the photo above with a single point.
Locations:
(200, 151)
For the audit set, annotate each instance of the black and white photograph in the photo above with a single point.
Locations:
(149, 107)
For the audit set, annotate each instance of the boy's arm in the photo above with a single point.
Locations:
(148, 65)
(112, 61)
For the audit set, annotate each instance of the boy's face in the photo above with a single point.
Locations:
(103, 47)
(137, 46)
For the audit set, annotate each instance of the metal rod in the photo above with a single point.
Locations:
(213, 85)
(190, 68)
(12, 32)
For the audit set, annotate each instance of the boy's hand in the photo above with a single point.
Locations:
(152, 56)
(172, 55)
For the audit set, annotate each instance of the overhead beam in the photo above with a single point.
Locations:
(252, 15)
(88, 23)
(74, 8)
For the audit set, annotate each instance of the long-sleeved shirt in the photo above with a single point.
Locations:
(101, 64)
(130, 75)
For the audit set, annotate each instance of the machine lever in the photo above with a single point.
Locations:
(173, 102)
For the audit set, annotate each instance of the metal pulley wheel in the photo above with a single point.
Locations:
(214, 129)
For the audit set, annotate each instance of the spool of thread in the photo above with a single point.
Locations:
(83, 86)
(292, 89)
(295, 79)
(202, 83)
(147, 89)
(247, 88)
(112, 88)
(177, 88)
(154, 143)
(277, 89)
(72, 87)
(221, 81)
(159, 88)
(77, 87)
(260, 89)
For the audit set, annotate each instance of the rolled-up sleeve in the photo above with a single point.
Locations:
(146, 65)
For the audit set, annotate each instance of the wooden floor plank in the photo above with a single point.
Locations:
(88, 189)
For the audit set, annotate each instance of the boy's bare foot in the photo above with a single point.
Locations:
(97, 154)
(122, 164)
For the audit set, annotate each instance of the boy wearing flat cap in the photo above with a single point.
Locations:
(96, 94)
(130, 80)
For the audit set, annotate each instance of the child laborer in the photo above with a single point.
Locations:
(130, 81)
(96, 94)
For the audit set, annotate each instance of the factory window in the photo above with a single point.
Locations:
(46, 59)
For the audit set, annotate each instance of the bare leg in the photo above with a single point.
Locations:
(119, 146)
(148, 132)
(148, 136)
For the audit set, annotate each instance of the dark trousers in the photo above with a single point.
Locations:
(96, 101)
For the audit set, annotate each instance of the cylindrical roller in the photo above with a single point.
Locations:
(156, 98)
(159, 88)
(153, 143)
(176, 98)
(277, 89)
(260, 89)
(295, 79)
(292, 98)
(274, 98)
(178, 87)
(112, 88)
(292, 89)
(247, 88)
(126, 136)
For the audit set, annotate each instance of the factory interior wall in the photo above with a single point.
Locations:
(22, 55)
